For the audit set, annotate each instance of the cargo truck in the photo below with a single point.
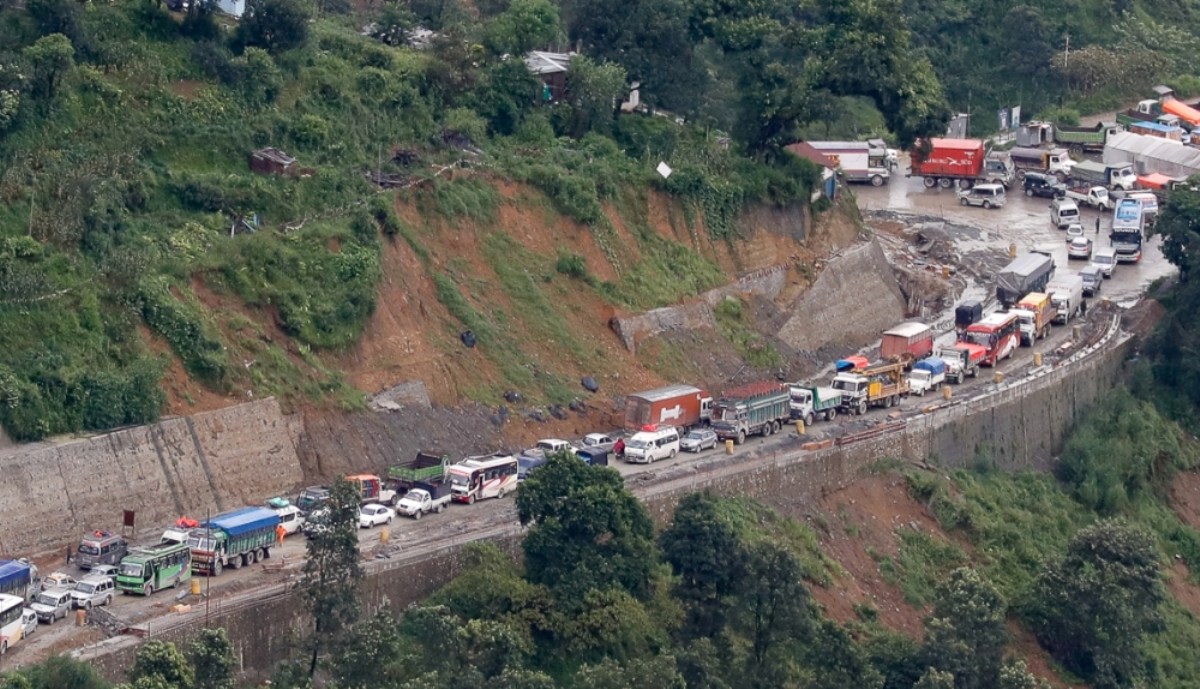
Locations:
(927, 375)
(858, 161)
(810, 403)
(947, 162)
(424, 498)
(682, 406)
(1080, 140)
(1055, 161)
(1128, 227)
(1027, 273)
(761, 407)
(1087, 194)
(962, 359)
(1034, 312)
(428, 466)
(1115, 176)
(237, 538)
(1066, 294)
(371, 489)
(878, 386)
(906, 343)
(19, 578)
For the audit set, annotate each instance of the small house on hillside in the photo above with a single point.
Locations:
(552, 69)
(272, 161)
(234, 8)
(828, 167)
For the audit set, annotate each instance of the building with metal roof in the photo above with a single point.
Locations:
(1149, 154)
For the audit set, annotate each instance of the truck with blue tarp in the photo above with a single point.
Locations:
(927, 375)
(18, 578)
(234, 539)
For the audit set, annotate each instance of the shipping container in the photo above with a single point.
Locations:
(682, 406)
(907, 343)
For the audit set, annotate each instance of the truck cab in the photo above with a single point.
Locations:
(961, 360)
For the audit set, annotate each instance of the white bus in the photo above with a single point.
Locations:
(16, 622)
(477, 478)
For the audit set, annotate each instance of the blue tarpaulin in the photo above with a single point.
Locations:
(242, 521)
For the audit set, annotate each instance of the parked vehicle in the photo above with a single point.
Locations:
(1046, 186)
(599, 440)
(1128, 229)
(1080, 247)
(1093, 280)
(109, 571)
(1034, 313)
(1108, 176)
(16, 621)
(1149, 110)
(290, 516)
(1080, 140)
(1066, 293)
(371, 489)
(907, 343)
(92, 591)
(811, 403)
(375, 515)
(1088, 195)
(52, 604)
(985, 195)
(1149, 206)
(651, 445)
(682, 406)
(19, 578)
(100, 548)
(1073, 231)
(1064, 212)
(879, 386)
(423, 499)
(233, 539)
(479, 478)
(1026, 273)
(595, 456)
(428, 466)
(857, 161)
(698, 440)
(761, 407)
(1055, 162)
(947, 162)
(927, 375)
(58, 580)
(312, 498)
(1105, 258)
(156, 567)
(966, 313)
(998, 334)
(962, 359)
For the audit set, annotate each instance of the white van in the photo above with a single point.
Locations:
(648, 446)
(1105, 258)
(1064, 213)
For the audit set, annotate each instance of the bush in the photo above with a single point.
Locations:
(179, 324)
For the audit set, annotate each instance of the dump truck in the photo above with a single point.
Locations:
(371, 489)
(682, 406)
(428, 466)
(1034, 312)
(962, 359)
(1054, 161)
(878, 386)
(1080, 140)
(234, 539)
(927, 375)
(1026, 273)
(948, 162)
(761, 407)
(906, 343)
(1114, 176)
(810, 403)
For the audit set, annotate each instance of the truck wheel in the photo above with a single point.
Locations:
(439, 508)
(741, 437)
(264, 554)
(862, 407)
(876, 181)
(964, 184)
(471, 500)
(252, 557)
(831, 414)
(216, 569)
(930, 182)
(945, 182)
(417, 514)
(1077, 150)
(808, 419)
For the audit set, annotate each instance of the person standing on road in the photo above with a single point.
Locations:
(1097, 225)
(619, 448)
(280, 532)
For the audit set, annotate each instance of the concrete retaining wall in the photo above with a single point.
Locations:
(188, 465)
(1017, 425)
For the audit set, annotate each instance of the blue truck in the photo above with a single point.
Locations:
(234, 539)
(18, 578)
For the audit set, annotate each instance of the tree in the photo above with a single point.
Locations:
(836, 661)
(1015, 675)
(771, 603)
(50, 59)
(706, 554)
(587, 531)
(524, 26)
(1179, 225)
(274, 25)
(211, 655)
(370, 653)
(332, 571)
(965, 634)
(1092, 609)
(594, 90)
(935, 679)
(658, 672)
(162, 660)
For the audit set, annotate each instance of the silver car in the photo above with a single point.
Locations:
(92, 591)
(986, 195)
(697, 440)
(51, 605)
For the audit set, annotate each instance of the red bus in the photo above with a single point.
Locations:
(998, 333)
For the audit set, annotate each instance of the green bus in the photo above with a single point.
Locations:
(150, 569)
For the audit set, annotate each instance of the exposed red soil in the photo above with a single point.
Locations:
(184, 395)
(1185, 497)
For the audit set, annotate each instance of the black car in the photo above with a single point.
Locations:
(1037, 184)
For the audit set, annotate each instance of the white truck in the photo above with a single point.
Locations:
(810, 403)
(927, 375)
(1089, 195)
(961, 360)
(1066, 295)
(858, 161)
(423, 499)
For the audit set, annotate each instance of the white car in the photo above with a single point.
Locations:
(1105, 259)
(1080, 247)
(594, 439)
(1074, 230)
(58, 580)
(374, 515)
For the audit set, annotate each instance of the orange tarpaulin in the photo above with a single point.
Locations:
(1155, 180)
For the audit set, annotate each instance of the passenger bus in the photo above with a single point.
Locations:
(16, 621)
(146, 570)
(998, 333)
(1128, 227)
(478, 478)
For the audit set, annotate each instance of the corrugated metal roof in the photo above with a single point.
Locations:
(541, 62)
(907, 329)
(666, 393)
(840, 145)
(960, 144)
(1154, 147)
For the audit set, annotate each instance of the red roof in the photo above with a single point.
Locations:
(762, 387)
(805, 150)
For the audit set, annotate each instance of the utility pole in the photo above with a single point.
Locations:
(1066, 49)
(211, 565)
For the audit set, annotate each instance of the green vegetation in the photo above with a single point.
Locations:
(737, 327)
